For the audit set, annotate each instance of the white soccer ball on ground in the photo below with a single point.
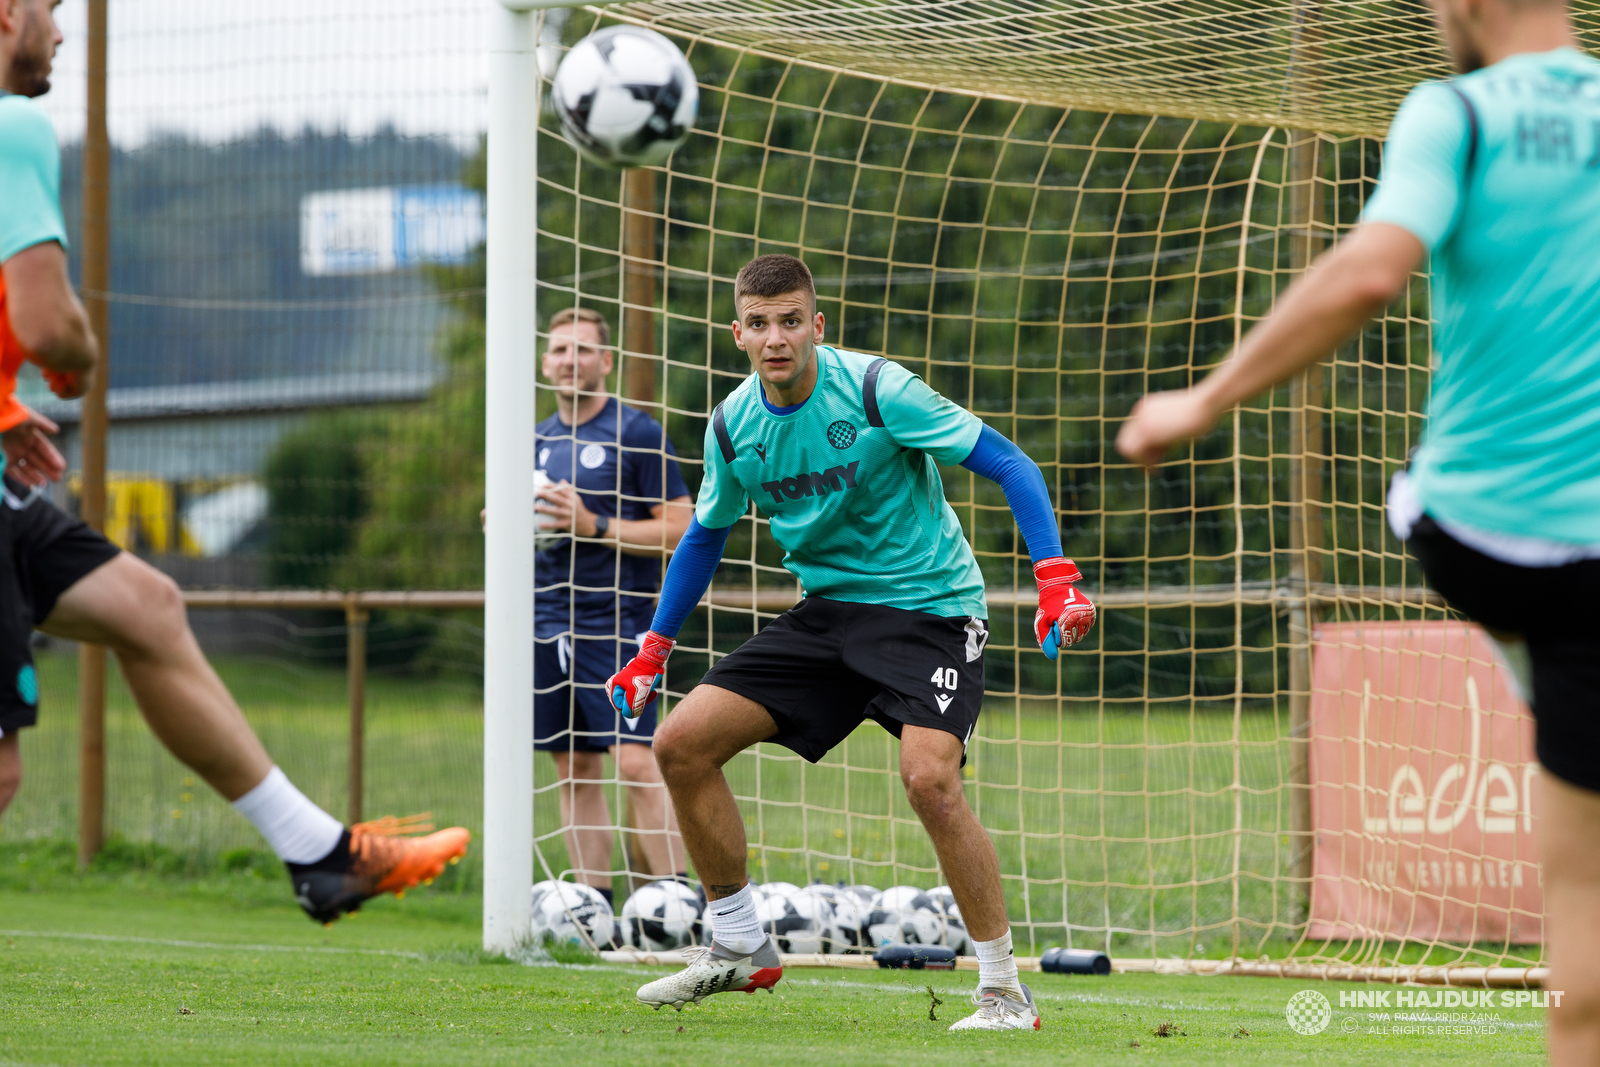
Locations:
(569, 913)
(797, 922)
(866, 895)
(903, 915)
(955, 928)
(845, 932)
(626, 97)
(663, 915)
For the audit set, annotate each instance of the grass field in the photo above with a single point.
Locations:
(129, 969)
(1116, 826)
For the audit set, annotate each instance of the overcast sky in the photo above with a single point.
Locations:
(217, 68)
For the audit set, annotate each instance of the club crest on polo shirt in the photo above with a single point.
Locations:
(592, 456)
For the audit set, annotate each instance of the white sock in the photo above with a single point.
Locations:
(297, 830)
(997, 967)
(733, 922)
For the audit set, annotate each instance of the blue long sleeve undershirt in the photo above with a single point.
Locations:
(688, 576)
(1001, 461)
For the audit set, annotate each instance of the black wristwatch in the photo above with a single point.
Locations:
(602, 523)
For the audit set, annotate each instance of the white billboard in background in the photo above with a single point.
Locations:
(372, 231)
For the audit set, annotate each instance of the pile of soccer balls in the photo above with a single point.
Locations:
(668, 915)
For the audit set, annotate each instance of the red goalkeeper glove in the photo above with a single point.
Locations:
(1064, 614)
(633, 687)
(63, 383)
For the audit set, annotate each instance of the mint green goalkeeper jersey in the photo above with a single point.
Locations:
(851, 484)
(1504, 191)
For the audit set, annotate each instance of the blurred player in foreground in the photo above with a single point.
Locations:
(614, 482)
(841, 451)
(1497, 175)
(64, 578)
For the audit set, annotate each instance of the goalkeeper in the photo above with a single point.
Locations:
(840, 450)
(1496, 175)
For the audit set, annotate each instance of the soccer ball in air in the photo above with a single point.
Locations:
(662, 915)
(626, 97)
(572, 914)
(797, 922)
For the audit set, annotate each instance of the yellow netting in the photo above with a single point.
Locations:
(1332, 65)
(1045, 265)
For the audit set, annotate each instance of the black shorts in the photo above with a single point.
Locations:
(570, 709)
(825, 666)
(1553, 609)
(43, 553)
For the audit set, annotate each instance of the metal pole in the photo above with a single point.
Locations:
(639, 290)
(355, 619)
(512, 330)
(96, 278)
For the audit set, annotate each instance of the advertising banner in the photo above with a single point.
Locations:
(1422, 787)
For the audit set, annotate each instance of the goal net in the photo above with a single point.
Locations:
(1276, 743)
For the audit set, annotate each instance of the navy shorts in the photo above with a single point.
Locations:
(570, 709)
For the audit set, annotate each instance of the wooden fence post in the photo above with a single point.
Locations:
(96, 281)
(356, 617)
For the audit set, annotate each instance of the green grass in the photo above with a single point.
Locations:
(118, 970)
(1116, 826)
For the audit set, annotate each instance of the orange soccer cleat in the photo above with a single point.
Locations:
(380, 856)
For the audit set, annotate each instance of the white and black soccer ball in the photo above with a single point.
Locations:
(779, 889)
(797, 922)
(955, 928)
(904, 915)
(539, 890)
(568, 913)
(846, 931)
(662, 915)
(866, 895)
(626, 97)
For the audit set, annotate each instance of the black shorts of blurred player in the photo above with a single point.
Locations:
(576, 724)
(1552, 609)
(824, 667)
(43, 553)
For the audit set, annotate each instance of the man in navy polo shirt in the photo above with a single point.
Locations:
(613, 480)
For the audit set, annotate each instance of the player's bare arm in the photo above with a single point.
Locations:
(46, 315)
(1343, 289)
(655, 536)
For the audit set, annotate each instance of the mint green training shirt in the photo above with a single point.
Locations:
(858, 509)
(30, 177)
(1513, 437)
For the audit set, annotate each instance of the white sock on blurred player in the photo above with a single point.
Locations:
(997, 966)
(297, 830)
(734, 925)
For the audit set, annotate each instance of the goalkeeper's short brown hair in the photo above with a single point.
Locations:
(568, 316)
(774, 275)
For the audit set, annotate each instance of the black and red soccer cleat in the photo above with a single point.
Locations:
(372, 858)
